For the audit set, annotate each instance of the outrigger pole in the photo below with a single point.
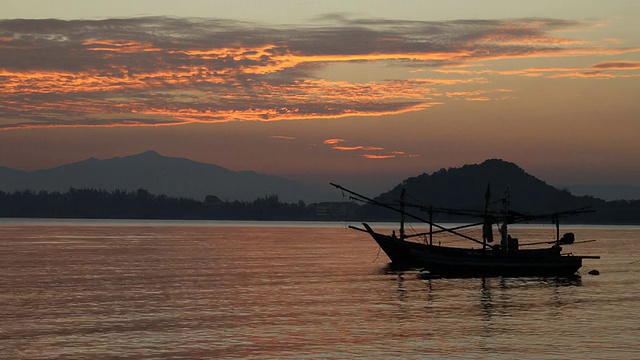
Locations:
(404, 213)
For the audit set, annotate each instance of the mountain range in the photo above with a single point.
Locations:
(176, 177)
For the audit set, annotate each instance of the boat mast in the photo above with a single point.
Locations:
(504, 240)
(402, 214)
(486, 227)
(431, 225)
(556, 220)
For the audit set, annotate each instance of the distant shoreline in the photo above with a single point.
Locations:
(143, 205)
(293, 222)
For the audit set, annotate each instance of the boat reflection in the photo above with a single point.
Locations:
(502, 294)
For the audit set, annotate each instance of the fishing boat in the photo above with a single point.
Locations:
(509, 257)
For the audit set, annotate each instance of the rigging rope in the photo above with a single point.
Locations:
(424, 237)
(344, 209)
(378, 254)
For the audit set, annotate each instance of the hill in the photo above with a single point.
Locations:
(176, 177)
(465, 188)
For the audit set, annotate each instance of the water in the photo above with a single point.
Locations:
(223, 290)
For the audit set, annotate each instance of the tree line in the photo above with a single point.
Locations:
(141, 204)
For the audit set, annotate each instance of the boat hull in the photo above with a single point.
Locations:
(457, 262)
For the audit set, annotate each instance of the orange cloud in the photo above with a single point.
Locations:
(592, 74)
(476, 94)
(352, 148)
(610, 70)
(370, 156)
(333, 141)
(117, 71)
(615, 69)
(358, 148)
(124, 46)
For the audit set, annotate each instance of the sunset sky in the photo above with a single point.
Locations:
(326, 90)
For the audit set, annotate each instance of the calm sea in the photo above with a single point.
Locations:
(233, 290)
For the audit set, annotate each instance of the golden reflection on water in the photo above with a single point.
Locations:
(196, 290)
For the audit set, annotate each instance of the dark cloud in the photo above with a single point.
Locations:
(143, 43)
(618, 65)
